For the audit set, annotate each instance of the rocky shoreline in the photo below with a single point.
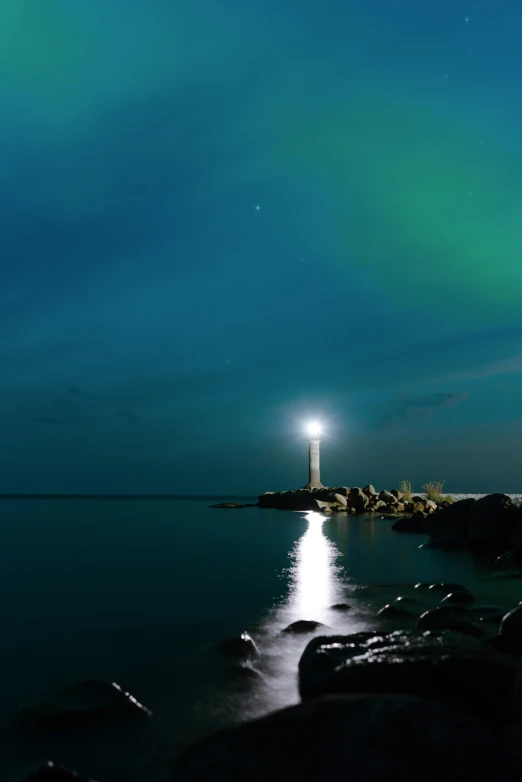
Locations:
(433, 692)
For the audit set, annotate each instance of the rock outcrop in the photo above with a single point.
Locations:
(353, 737)
(344, 499)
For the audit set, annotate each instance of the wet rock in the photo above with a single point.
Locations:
(458, 597)
(369, 490)
(340, 500)
(446, 588)
(340, 607)
(88, 702)
(449, 618)
(511, 629)
(241, 648)
(303, 626)
(452, 521)
(418, 507)
(415, 523)
(50, 772)
(361, 737)
(404, 600)
(492, 519)
(393, 611)
(388, 497)
(398, 494)
(358, 500)
(500, 643)
(322, 505)
(450, 667)
(379, 505)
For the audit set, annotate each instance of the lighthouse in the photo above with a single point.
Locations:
(314, 473)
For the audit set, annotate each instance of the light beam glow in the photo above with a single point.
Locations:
(314, 428)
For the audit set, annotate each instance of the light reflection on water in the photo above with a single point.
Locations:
(315, 582)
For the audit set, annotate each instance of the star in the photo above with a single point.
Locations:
(257, 207)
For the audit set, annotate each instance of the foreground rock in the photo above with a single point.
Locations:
(448, 667)
(362, 737)
(50, 772)
(303, 626)
(241, 648)
(85, 703)
(492, 519)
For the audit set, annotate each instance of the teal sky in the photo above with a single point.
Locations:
(222, 219)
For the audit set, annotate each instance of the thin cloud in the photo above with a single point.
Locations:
(506, 366)
(408, 408)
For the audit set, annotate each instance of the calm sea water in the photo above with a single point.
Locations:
(141, 592)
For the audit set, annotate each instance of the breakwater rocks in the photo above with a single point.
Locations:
(492, 521)
(344, 499)
(433, 693)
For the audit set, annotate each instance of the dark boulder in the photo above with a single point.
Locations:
(515, 539)
(492, 519)
(388, 497)
(88, 702)
(369, 490)
(448, 617)
(415, 523)
(511, 629)
(50, 772)
(358, 500)
(393, 611)
(458, 597)
(241, 648)
(447, 587)
(452, 521)
(302, 626)
(362, 737)
(450, 667)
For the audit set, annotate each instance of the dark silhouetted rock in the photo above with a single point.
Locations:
(89, 702)
(340, 607)
(241, 648)
(303, 626)
(458, 597)
(362, 737)
(393, 611)
(415, 523)
(511, 629)
(358, 500)
(446, 588)
(449, 618)
(452, 521)
(450, 667)
(50, 772)
(492, 519)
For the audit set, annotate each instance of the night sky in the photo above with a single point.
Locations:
(221, 219)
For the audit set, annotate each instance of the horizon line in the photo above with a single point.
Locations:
(96, 496)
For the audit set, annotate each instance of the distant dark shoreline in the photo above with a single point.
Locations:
(168, 497)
